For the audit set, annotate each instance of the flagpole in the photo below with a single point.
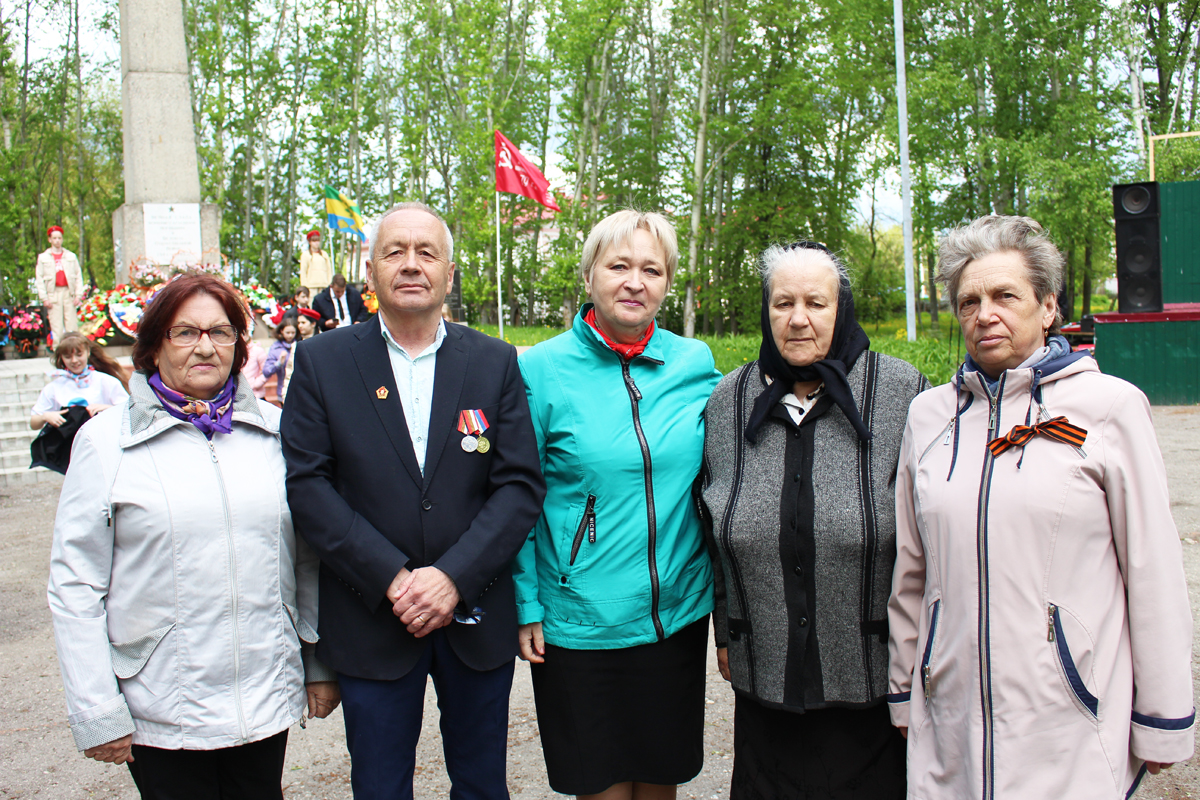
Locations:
(499, 268)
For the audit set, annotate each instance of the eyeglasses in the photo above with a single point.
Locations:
(187, 336)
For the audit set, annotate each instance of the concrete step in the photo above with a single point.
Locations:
(14, 459)
(15, 476)
(17, 438)
(13, 423)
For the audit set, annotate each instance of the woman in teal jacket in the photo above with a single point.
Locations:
(614, 585)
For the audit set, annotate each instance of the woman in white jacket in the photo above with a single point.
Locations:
(184, 606)
(1040, 627)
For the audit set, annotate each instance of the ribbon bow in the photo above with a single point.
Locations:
(1057, 429)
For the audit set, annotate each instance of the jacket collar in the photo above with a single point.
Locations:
(655, 349)
(969, 378)
(145, 417)
(375, 367)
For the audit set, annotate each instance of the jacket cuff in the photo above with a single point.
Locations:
(111, 724)
(314, 669)
(529, 613)
(720, 619)
(1166, 741)
(898, 707)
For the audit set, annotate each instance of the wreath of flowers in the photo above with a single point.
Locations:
(93, 317)
(259, 298)
(26, 323)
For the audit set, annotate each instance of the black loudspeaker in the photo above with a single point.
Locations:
(1139, 252)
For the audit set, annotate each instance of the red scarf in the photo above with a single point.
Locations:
(626, 351)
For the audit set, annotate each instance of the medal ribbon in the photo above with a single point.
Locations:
(1057, 429)
(472, 422)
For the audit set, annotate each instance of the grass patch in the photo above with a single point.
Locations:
(935, 358)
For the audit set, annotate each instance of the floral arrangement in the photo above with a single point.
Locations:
(371, 302)
(258, 297)
(125, 306)
(4, 323)
(26, 323)
(26, 326)
(143, 272)
(93, 317)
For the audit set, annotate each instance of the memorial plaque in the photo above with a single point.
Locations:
(173, 233)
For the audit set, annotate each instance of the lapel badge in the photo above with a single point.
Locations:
(381, 393)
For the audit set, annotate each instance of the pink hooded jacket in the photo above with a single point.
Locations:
(1040, 626)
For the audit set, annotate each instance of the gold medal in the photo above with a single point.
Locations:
(470, 443)
(482, 445)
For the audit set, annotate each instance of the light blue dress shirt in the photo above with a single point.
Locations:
(414, 381)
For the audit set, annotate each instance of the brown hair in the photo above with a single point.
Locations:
(74, 342)
(161, 312)
(289, 318)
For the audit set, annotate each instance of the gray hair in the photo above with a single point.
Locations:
(373, 237)
(618, 228)
(996, 234)
(801, 253)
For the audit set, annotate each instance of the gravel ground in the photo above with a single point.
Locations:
(38, 758)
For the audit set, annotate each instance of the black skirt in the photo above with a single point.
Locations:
(633, 714)
(824, 754)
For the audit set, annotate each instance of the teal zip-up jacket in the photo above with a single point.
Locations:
(618, 557)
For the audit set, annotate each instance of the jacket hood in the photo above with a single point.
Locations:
(1060, 363)
(145, 417)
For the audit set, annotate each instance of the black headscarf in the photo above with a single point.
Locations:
(849, 342)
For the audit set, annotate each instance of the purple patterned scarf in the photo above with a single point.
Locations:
(209, 416)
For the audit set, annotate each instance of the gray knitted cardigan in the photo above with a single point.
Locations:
(773, 610)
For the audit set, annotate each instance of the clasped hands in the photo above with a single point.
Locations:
(424, 599)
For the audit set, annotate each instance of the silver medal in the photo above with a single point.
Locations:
(470, 444)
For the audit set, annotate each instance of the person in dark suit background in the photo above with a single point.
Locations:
(339, 304)
(413, 471)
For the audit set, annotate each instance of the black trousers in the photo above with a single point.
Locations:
(247, 772)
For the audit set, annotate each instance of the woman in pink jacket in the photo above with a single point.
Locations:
(1040, 632)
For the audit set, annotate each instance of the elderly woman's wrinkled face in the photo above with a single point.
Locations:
(804, 302)
(198, 370)
(1002, 320)
(628, 284)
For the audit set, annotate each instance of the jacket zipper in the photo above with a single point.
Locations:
(635, 397)
(726, 533)
(588, 524)
(985, 661)
(237, 643)
(926, 670)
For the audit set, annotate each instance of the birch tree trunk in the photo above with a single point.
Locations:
(689, 301)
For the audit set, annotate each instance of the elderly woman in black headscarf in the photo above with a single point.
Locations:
(801, 449)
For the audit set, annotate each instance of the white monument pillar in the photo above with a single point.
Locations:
(163, 216)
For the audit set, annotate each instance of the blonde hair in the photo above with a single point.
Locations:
(619, 228)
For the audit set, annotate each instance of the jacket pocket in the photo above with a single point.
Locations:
(303, 629)
(927, 655)
(587, 525)
(128, 658)
(1055, 634)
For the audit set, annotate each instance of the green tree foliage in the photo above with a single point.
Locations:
(748, 123)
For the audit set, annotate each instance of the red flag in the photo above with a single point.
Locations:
(515, 175)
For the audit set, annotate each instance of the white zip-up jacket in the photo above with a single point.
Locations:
(1040, 626)
(179, 591)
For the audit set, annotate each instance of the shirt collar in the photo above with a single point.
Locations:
(428, 351)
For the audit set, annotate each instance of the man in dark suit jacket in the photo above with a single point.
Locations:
(413, 471)
(338, 305)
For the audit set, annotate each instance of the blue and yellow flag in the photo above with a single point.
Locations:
(344, 216)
